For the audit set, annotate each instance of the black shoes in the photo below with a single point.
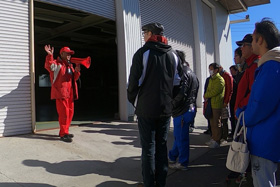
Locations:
(66, 138)
(207, 132)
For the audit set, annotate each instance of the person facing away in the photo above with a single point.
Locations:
(225, 111)
(261, 114)
(63, 87)
(154, 71)
(215, 91)
(245, 84)
(183, 113)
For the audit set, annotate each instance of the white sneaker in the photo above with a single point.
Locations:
(171, 161)
(209, 142)
(223, 141)
(178, 166)
(214, 145)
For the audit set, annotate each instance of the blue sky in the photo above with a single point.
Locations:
(256, 13)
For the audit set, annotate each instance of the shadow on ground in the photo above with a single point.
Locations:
(84, 167)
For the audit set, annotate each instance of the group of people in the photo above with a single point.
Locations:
(253, 89)
(161, 85)
(260, 101)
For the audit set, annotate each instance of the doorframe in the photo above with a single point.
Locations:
(32, 65)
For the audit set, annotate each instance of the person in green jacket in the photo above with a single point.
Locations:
(215, 91)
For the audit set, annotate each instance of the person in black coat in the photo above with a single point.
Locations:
(154, 72)
(183, 113)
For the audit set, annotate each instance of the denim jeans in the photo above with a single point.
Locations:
(181, 145)
(263, 172)
(153, 135)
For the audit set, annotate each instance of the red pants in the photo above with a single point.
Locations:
(65, 110)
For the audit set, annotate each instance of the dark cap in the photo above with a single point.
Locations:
(247, 39)
(155, 28)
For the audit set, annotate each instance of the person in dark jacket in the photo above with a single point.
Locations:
(234, 73)
(240, 63)
(183, 113)
(154, 72)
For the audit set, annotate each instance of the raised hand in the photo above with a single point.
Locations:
(49, 49)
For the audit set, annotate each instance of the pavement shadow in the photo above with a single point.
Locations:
(131, 171)
(207, 170)
(128, 132)
(6, 184)
(41, 136)
(114, 184)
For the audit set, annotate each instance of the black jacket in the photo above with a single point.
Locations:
(185, 95)
(154, 69)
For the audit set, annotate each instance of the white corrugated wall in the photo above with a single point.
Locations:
(15, 90)
(209, 35)
(176, 17)
(129, 41)
(104, 8)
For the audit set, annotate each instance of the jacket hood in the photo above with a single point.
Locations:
(158, 46)
(273, 54)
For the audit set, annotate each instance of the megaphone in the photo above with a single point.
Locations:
(84, 61)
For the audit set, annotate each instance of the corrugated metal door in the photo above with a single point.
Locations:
(15, 90)
(209, 35)
(104, 8)
(176, 17)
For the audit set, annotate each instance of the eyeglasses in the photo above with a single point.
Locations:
(246, 44)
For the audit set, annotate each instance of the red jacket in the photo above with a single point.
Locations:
(61, 80)
(228, 86)
(246, 82)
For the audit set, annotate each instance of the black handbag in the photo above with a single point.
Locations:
(207, 109)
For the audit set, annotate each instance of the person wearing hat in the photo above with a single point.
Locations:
(154, 71)
(245, 84)
(64, 87)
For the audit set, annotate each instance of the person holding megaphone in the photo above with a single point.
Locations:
(64, 87)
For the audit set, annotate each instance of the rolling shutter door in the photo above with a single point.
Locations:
(176, 17)
(15, 89)
(209, 35)
(105, 8)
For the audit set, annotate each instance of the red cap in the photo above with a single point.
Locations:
(67, 50)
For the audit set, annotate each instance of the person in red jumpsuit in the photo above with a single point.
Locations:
(64, 88)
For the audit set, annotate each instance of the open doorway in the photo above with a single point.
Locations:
(88, 35)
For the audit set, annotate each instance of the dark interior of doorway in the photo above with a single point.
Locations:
(88, 35)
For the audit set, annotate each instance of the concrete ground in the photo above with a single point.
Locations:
(103, 154)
